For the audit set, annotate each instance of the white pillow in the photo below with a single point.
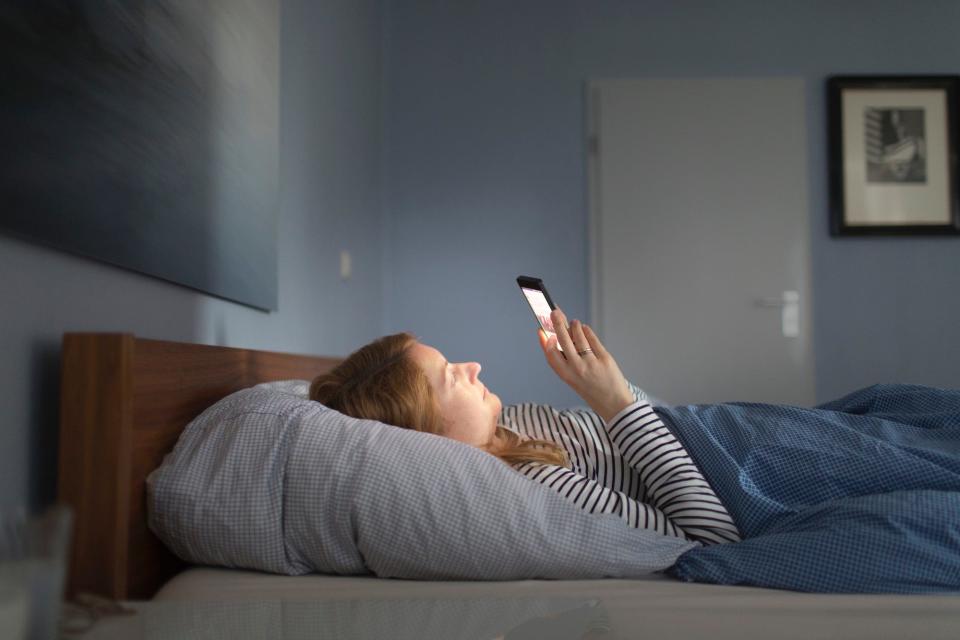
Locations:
(268, 479)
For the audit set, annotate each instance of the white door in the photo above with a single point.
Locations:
(700, 256)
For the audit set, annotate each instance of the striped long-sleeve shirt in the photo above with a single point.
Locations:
(633, 466)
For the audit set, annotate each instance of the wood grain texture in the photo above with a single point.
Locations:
(124, 403)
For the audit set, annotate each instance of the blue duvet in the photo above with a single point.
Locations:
(858, 495)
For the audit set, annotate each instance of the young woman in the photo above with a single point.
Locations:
(617, 457)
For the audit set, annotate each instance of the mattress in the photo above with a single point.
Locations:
(246, 604)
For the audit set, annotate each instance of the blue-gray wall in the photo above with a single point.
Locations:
(330, 182)
(476, 174)
(486, 176)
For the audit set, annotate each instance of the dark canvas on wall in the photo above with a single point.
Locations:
(144, 133)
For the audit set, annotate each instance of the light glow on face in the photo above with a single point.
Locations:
(470, 411)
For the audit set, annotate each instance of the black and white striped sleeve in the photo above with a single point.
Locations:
(658, 487)
(639, 394)
(673, 483)
(591, 496)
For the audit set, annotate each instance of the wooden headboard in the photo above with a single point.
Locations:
(124, 402)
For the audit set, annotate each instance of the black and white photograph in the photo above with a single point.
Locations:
(892, 145)
(895, 147)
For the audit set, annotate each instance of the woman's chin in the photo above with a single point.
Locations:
(494, 399)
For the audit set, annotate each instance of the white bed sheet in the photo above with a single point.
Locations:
(340, 606)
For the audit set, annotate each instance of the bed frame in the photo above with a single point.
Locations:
(124, 402)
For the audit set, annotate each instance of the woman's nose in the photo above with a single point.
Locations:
(473, 369)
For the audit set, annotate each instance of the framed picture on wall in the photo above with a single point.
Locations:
(893, 155)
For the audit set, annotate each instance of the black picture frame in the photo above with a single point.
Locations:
(892, 145)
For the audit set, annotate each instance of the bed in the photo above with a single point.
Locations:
(124, 402)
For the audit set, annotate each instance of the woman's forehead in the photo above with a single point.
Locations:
(431, 362)
(426, 353)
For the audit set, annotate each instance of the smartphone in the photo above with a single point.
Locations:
(540, 303)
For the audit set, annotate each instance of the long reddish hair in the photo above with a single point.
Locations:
(380, 381)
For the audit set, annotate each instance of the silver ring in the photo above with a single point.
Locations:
(587, 350)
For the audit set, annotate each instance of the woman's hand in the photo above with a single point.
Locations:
(587, 367)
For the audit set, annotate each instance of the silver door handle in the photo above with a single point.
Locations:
(789, 304)
(788, 298)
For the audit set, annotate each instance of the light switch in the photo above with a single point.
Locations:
(346, 268)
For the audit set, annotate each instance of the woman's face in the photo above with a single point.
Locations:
(469, 411)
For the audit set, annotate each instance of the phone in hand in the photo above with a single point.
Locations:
(540, 303)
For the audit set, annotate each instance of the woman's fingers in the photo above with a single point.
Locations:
(574, 338)
(560, 326)
(576, 334)
(594, 342)
(554, 358)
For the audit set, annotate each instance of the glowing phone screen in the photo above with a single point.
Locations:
(541, 309)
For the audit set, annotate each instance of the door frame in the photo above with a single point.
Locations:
(594, 208)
